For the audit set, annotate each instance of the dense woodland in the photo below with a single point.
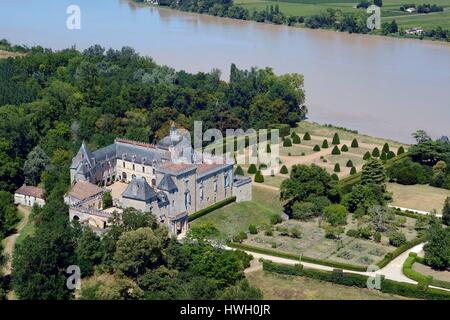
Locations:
(51, 101)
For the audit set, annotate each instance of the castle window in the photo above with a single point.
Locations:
(134, 167)
(123, 164)
(143, 169)
(201, 192)
(215, 185)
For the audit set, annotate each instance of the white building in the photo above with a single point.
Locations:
(29, 195)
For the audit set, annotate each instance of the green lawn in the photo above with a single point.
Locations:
(238, 216)
(419, 197)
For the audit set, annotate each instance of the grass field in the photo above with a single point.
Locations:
(419, 197)
(283, 287)
(7, 54)
(389, 11)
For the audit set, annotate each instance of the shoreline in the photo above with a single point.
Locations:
(273, 25)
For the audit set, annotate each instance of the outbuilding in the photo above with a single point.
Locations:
(29, 195)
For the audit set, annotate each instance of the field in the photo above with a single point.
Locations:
(283, 287)
(389, 11)
(419, 197)
(7, 54)
(313, 243)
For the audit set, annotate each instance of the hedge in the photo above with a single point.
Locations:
(292, 256)
(414, 275)
(285, 129)
(394, 254)
(357, 280)
(211, 208)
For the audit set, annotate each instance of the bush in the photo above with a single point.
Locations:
(303, 210)
(337, 167)
(367, 156)
(252, 169)
(385, 148)
(377, 236)
(284, 170)
(353, 233)
(239, 171)
(259, 178)
(316, 148)
(352, 171)
(275, 219)
(355, 143)
(383, 157)
(336, 214)
(390, 155)
(293, 134)
(359, 212)
(376, 152)
(344, 148)
(296, 139)
(400, 150)
(287, 142)
(107, 200)
(397, 238)
(252, 229)
(240, 236)
(307, 136)
(335, 177)
(336, 151)
(336, 139)
(325, 144)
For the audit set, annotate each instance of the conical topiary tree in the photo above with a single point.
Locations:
(336, 139)
(383, 156)
(307, 136)
(349, 163)
(446, 212)
(293, 134)
(259, 178)
(316, 148)
(334, 177)
(344, 148)
(337, 167)
(239, 171)
(400, 150)
(385, 148)
(325, 144)
(296, 139)
(284, 170)
(336, 151)
(287, 142)
(355, 143)
(390, 155)
(252, 169)
(376, 152)
(367, 156)
(352, 171)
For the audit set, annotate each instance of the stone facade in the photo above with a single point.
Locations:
(165, 179)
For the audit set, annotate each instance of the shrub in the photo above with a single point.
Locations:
(344, 148)
(303, 210)
(397, 238)
(400, 150)
(336, 214)
(365, 232)
(349, 164)
(383, 156)
(287, 142)
(259, 178)
(367, 156)
(376, 152)
(296, 233)
(107, 200)
(240, 236)
(377, 236)
(336, 151)
(337, 167)
(296, 140)
(284, 170)
(293, 134)
(275, 219)
(316, 148)
(355, 143)
(252, 169)
(353, 233)
(252, 229)
(319, 202)
(336, 139)
(359, 212)
(239, 171)
(385, 148)
(332, 232)
(325, 144)
(335, 177)
(390, 155)
(307, 136)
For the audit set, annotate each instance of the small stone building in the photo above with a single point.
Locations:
(29, 195)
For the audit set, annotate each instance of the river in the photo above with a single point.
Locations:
(380, 86)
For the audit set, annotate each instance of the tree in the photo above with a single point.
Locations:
(305, 181)
(325, 144)
(437, 249)
(380, 217)
(37, 161)
(336, 151)
(336, 139)
(296, 139)
(355, 143)
(316, 148)
(334, 177)
(137, 251)
(284, 170)
(385, 148)
(203, 232)
(252, 169)
(352, 171)
(364, 197)
(397, 238)
(88, 252)
(373, 172)
(400, 150)
(8, 213)
(367, 156)
(349, 164)
(344, 148)
(337, 167)
(421, 136)
(287, 142)
(239, 171)
(378, 3)
(336, 214)
(242, 290)
(446, 212)
(303, 210)
(107, 200)
(307, 136)
(376, 152)
(259, 178)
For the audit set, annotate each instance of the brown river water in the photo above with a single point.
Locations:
(380, 86)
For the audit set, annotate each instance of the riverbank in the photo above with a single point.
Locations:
(302, 22)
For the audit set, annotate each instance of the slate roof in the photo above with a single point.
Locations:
(140, 190)
(167, 184)
(31, 191)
